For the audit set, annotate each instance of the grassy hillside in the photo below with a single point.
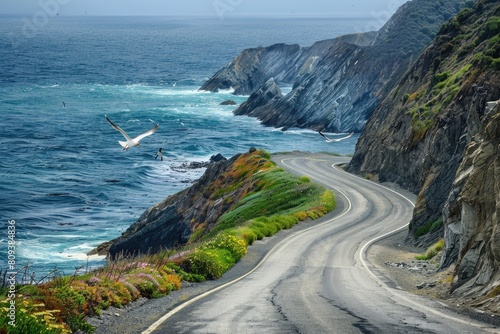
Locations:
(269, 199)
(466, 47)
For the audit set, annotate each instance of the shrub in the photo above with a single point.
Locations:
(436, 225)
(265, 154)
(439, 77)
(210, 263)
(305, 179)
(463, 15)
(301, 215)
(328, 200)
(496, 64)
(494, 292)
(70, 302)
(430, 227)
(184, 275)
(431, 251)
(30, 318)
(489, 29)
(247, 234)
(236, 246)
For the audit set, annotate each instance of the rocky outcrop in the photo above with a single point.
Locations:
(437, 135)
(339, 82)
(417, 136)
(170, 223)
(472, 212)
(196, 210)
(228, 103)
(285, 63)
(252, 68)
(261, 97)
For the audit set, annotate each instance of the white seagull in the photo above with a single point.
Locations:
(131, 142)
(329, 140)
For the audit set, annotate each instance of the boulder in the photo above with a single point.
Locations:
(228, 103)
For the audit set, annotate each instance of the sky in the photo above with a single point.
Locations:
(214, 8)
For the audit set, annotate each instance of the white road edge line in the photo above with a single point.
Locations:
(160, 321)
(392, 291)
(156, 324)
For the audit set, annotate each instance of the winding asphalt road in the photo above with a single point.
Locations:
(318, 280)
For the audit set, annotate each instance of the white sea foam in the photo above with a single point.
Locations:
(96, 174)
(226, 91)
(176, 92)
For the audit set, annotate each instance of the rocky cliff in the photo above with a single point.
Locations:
(339, 82)
(247, 194)
(285, 63)
(437, 135)
(263, 95)
(472, 215)
(170, 223)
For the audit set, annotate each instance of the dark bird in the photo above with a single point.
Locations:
(329, 140)
(131, 142)
(159, 154)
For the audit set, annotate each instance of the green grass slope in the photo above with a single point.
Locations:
(268, 200)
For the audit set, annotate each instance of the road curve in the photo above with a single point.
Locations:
(319, 280)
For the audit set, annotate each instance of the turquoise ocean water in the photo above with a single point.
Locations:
(63, 176)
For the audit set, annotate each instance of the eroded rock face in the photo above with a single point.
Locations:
(261, 97)
(285, 63)
(472, 218)
(337, 83)
(418, 135)
(170, 223)
(437, 134)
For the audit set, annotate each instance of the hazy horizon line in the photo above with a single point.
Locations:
(213, 16)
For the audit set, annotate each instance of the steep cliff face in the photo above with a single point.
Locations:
(253, 67)
(285, 63)
(337, 83)
(472, 214)
(171, 222)
(262, 96)
(247, 196)
(436, 135)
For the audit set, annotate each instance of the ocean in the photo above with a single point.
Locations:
(65, 183)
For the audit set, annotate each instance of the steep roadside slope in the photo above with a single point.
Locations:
(337, 83)
(420, 134)
(472, 217)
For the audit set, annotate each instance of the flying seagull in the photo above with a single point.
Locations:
(329, 140)
(131, 142)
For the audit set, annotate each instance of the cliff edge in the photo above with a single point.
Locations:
(337, 83)
(436, 134)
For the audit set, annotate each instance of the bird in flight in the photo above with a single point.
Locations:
(329, 140)
(159, 154)
(131, 142)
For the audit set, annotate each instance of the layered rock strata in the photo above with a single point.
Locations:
(336, 83)
(436, 134)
